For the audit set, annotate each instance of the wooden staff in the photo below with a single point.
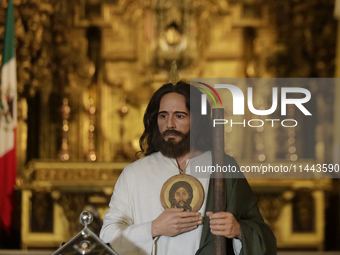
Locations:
(218, 181)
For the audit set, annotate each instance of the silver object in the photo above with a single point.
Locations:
(85, 242)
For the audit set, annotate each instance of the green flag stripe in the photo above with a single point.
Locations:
(9, 49)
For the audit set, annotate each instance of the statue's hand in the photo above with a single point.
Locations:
(174, 221)
(224, 224)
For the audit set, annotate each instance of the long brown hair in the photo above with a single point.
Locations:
(200, 127)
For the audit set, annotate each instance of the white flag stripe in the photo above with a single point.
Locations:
(8, 90)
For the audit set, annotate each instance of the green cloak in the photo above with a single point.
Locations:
(257, 237)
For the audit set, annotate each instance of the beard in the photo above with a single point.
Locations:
(172, 148)
(186, 205)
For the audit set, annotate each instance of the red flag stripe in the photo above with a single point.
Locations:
(8, 166)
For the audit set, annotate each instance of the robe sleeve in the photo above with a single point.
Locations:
(237, 246)
(119, 229)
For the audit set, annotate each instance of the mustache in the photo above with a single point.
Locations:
(172, 132)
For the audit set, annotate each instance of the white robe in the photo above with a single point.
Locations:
(135, 203)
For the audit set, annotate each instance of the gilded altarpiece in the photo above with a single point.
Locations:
(86, 71)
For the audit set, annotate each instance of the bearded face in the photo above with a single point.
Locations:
(172, 148)
(181, 198)
(173, 138)
(181, 195)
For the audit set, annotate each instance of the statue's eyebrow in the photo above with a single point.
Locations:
(176, 112)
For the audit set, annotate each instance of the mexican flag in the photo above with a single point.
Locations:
(8, 122)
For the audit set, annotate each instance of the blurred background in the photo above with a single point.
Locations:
(86, 70)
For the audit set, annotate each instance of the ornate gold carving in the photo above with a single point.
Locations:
(80, 175)
(41, 26)
(277, 199)
(32, 51)
(92, 13)
(42, 212)
(303, 211)
(271, 207)
(73, 204)
(174, 36)
(54, 173)
(69, 186)
(51, 58)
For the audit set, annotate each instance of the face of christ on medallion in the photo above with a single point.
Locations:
(181, 195)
